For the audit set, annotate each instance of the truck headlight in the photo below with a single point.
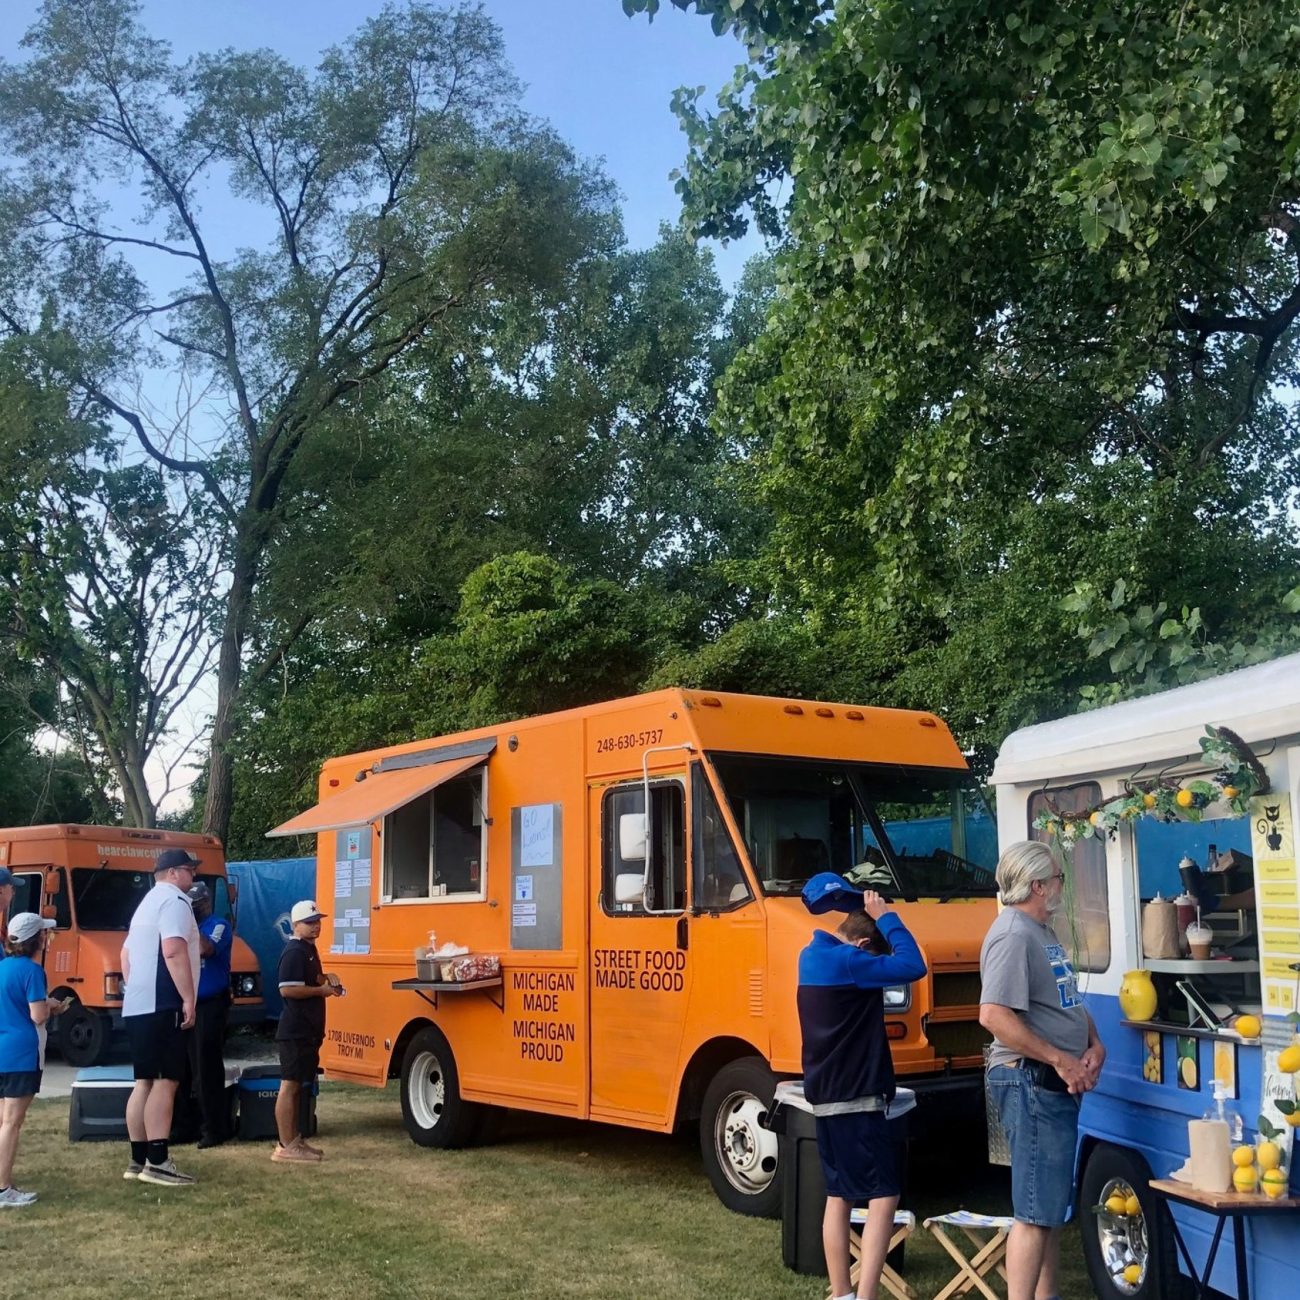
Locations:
(898, 997)
(244, 984)
(113, 986)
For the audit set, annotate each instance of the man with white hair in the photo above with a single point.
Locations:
(1045, 1056)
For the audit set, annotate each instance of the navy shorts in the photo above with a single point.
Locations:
(1042, 1127)
(299, 1059)
(858, 1157)
(19, 1083)
(159, 1048)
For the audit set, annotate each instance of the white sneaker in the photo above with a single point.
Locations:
(13, 1196)
(165, 1175)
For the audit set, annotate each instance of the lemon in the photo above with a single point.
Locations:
(1132, 1274)
(1148, 801)
(1230, 791)
(1274, 1183)
(1243, 1157)
(1184, 798)
(1117, 1203)
(1187, 1068)
(1244, 1179)
(1289, 1061)
(1268, 1156)
(1249, 1027)
(1293, 1118)
(1132, 1206)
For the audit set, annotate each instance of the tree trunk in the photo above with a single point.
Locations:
(219, 803)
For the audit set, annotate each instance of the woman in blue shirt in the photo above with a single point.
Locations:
(24, 1009)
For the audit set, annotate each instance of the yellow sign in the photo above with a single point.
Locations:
(1274, 891)
(1272, 843)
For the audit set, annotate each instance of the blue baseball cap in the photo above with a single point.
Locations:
(5, 877)
(827, 892)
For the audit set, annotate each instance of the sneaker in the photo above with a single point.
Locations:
(165, 1175)
(13, 1196)
(307, 1146)
(296, 1154)
(133, 1170)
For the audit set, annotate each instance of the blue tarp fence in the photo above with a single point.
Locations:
(267, 890)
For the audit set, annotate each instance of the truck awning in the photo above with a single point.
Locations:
(375, 797)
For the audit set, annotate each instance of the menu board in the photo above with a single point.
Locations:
(1277, 900)
(352, 891)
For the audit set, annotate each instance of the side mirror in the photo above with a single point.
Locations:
(629, 887)
(49, 912)
(53, 882)
(631, 837)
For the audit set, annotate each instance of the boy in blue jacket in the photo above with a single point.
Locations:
(848, 1071)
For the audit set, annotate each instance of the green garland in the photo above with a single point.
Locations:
(1239, 777)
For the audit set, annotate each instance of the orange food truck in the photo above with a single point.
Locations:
(88, 879)
(635, 869)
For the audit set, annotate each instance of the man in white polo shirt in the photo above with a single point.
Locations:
(160, 963)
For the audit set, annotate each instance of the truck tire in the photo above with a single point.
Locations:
(1111, 1242)
(434, 1112)
(83, 1036)
(739, 1150)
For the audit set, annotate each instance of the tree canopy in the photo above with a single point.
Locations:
(1040, 277)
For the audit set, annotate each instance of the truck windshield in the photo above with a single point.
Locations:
(106, 899)
(910, 832)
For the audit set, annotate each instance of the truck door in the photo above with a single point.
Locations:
(640, 971)
(30, 895)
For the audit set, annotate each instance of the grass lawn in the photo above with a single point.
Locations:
(553, 1208)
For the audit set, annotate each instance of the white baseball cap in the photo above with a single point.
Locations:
(305, 911)
(27, 924)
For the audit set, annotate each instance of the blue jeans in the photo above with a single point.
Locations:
(1041, 1127)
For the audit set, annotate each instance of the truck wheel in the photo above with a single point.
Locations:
(1129, 1256)
(434, 1112)
(83, 1036)
(739, 1150)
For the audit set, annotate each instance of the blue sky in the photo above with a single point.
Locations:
(603, 80)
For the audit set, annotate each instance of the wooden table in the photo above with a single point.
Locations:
(1223, 1206)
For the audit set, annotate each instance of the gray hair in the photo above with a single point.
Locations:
(1019, 866)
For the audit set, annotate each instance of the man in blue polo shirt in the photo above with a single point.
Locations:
(208, 1041)
(848, 1071)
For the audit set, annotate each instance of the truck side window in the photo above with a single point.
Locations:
(1089, 921)
(667, 849)
(435, 846)
(718, 882)
(28, 887)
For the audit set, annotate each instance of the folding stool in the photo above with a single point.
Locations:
(904, 1226)
(988, 1254)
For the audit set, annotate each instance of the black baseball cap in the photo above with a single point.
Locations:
(173, 859)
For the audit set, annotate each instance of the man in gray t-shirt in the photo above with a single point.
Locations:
(1045, 1056)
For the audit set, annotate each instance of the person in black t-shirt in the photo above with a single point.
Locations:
(304, 988)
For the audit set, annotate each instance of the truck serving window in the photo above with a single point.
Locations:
(911, 832)
(436, 846)
(1085, 927)
(620, 891)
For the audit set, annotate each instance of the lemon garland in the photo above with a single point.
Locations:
(1238, 778)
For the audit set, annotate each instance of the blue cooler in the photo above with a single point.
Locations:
(258, 1087)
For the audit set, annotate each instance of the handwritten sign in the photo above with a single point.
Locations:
(537, 836)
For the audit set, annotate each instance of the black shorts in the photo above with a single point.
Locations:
(299, 1059)
(159, 1046)
(20, 1083)
(858, 1157)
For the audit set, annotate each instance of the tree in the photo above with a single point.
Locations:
(1040, 279)
(390, 195)
(104, 583)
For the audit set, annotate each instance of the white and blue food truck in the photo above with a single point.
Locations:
(1177, 808)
